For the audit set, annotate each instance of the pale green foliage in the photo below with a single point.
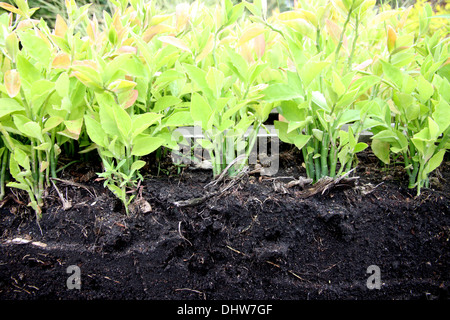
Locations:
(120, 81)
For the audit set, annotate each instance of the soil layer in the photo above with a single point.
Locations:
(253, 238)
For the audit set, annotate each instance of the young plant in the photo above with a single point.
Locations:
(35, 102)
(416, 123)
(133, 108)
(321, 92)
(121, 139)
(226, 96)
(225, 119)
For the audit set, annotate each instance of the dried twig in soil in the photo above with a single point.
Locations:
(67, 204)
(223, 174)
(196, 201)
(75, 184)
(268, 262)
(193, 290)
(325, 184)
(181, 235)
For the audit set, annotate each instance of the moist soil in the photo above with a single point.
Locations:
(254, 237)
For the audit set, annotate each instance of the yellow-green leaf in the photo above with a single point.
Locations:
(251, 33)
(12, 82)
(175, 42)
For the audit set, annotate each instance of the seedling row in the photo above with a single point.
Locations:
(118, 86)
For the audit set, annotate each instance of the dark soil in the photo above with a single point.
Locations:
(256, 240)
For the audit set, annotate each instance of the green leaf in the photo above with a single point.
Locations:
(434, 162)
(318, 134)
(12, 45)
(22, 159)
(181, 118)
(337, 84)
(349, 116)
(36, 47)
(52, 122)
(381, 149)
(412, 111)
(302, 26)
(165, 102)
(319, 99)
(17, 185)
(168, 77)
(360, 146)
(46, 146)
(95, 131)
(311, 70)
(237, 64)
(28, 72)
(123, 121)
(62, 85)
(280, 92)
(441, 115)
(137, 165)
(29, 128)
(386, 136)
(199, 77)
(392, 73)
(107, 118)
(8, 106)
(234, 13)
(205, 144)
(282, 132)
(424, 88)
(200, 110)
(121, 86)
(301, 140)
(144, 145)
(256, 70)
(142, 121)
(215, 79)
(40, 93)
(433, 129)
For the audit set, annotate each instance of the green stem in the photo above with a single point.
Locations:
(253, 137)
(318, 40)
(333, 159)
(53, 158)
(324, 155)
(3, 173)
(420, 182)
(41, 177)
(350, 58)
(309, 162)
(317, 160)
(413, 176)
(341, 39)
(305, 158)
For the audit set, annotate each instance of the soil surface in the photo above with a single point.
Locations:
(251, 238)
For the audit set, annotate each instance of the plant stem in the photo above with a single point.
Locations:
(341, 39)
(254, 135)
(4, 162)
(317, 160)
(305, 158)
(324, 154)
(350, 58)
(318, 40)
(41, 177)
(333, 158)
(52, 157)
